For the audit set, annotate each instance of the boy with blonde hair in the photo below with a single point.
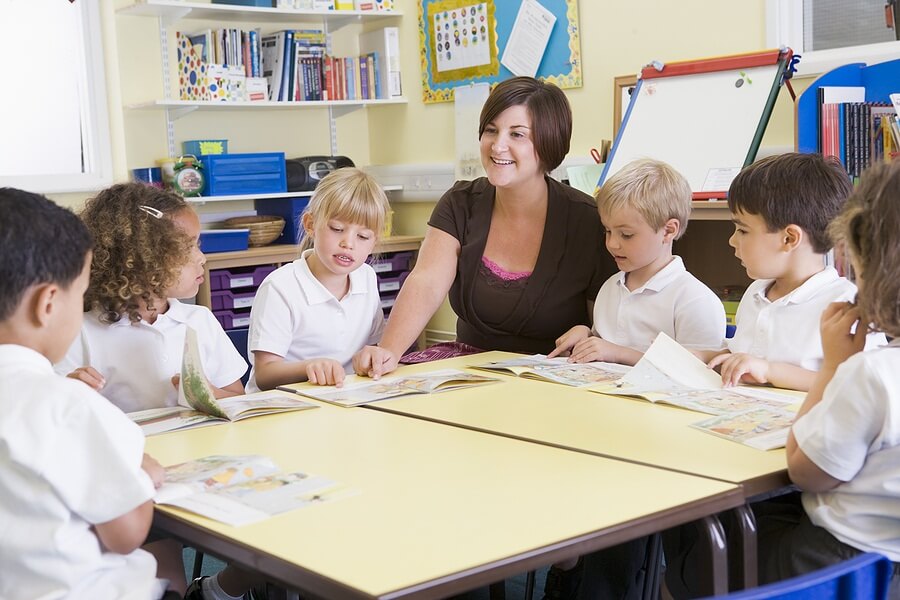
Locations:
(75, 484)
(781, 207)
(644, 208)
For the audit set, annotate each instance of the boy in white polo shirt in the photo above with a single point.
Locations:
(781, 207)
(75, 484)
(311, 316)
(644, 208)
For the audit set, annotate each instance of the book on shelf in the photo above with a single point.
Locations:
(557, 370)
(198, 405)
(272, 62)
(385, 44)
(358, 391)
(240, 490)
(670, 374)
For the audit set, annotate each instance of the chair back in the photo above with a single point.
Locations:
(864, 577)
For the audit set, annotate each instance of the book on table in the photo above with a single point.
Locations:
(557, 370)
(239, 490)
(669, 373)
(198, 405)
(358, 391)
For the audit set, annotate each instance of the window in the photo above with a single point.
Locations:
(831, 33)
(55, 134)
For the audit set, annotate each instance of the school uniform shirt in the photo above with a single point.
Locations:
(68, 460)
(787, 330)
(138, 360)
(672, 301)
(853, 434)
(294, 316)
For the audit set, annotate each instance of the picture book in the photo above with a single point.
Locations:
(239, 490)
(368, 391)
(669, 373)
(198, 405)
(557, 370)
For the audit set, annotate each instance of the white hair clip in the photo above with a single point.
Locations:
(153, 212)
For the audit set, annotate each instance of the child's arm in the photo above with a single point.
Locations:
(272, 370)
(127, 533)
(741, 367)
(596, 348)
(90, 376)
(838, 344)
(567, 341)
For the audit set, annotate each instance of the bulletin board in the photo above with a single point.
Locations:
(706, 118)
(476, 58)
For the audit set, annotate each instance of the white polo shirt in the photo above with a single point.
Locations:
(672, 301)
(68, 460)
(138, 360)
(853, 434)
(787, 330)
(294, 316)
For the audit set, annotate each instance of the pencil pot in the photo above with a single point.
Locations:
(148, 175)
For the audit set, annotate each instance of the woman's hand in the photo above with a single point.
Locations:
(374, 361)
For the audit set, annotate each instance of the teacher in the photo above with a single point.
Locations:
(521, 255)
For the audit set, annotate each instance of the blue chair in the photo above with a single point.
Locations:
(864, 577)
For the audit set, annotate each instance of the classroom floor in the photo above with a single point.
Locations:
(515, 586)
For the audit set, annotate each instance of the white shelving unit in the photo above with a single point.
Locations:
(170, 12)
(231, 198)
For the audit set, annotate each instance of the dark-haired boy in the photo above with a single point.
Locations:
(781, 207)
(75, 486)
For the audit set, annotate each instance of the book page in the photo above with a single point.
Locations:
(760, 428)
(261, 403)
(194, 390)
(239, 490)
(367, 391)
(559, 370)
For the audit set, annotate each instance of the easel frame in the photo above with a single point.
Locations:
(621, 85)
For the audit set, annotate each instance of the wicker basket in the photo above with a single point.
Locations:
(263, 229)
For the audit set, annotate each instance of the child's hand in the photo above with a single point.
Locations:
(374, 361)
(567, 341)
(838, 341)
(155, 470)
(325, 371)
(593, 348)
(741, 367)
(176, 379)
(90, 376)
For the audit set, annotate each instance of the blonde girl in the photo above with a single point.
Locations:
(310, 316)
(146, 256)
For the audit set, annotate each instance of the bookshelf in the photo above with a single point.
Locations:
(879, 80)
(170, 13)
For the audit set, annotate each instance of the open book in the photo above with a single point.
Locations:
(241, 489)
(557, 370)
(198, 405)
(669, 373)
(354, 394)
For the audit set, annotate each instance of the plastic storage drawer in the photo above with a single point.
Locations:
(255, 173)
(226, 300)
(224, 240)
(398, 261)
(288, 209)
(226, 279)
(391, 284)
(231, 319)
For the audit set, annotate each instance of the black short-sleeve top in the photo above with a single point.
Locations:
(571, 266)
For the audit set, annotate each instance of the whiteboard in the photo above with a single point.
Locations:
(706, 125)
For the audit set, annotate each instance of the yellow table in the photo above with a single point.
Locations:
(439, 509)
(609, 426)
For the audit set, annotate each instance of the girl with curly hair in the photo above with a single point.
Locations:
(146, 255)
